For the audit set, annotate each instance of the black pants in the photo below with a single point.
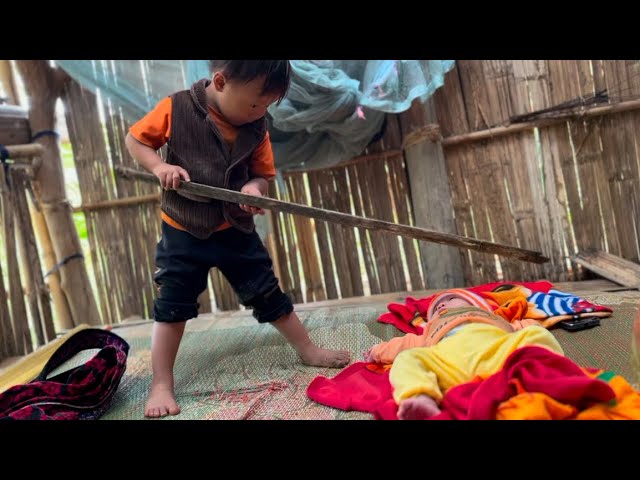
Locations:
(183, 262)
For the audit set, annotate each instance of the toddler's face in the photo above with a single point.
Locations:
(241, 103)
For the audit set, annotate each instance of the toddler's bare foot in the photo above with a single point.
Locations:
(320, 357)
(161, 402)
(418, 408)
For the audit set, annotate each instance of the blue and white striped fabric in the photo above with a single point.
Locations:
(555, 302)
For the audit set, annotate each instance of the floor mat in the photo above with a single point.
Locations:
(250, 372)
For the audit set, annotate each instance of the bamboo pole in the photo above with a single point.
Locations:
(556, 119)
(119, 202)
(63, 319)
(16, 296)
(44, 86)
(7, 338)
(23, 154)
(25, 257)
(344, 218)
(39, 295)
(27, 151)
(6, 77)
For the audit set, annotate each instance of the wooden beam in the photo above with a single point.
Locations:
(431, 199)
(28, 150)
(44, 85)
(343, 218)
(119, 202)
(555, 120)
(23, 154)
(610, 266)
(63, 319)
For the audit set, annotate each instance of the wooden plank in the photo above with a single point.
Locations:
(527, 201)
(556, 119)
(399, 205)
(474, 95)
(531, 91)
(498, 80)
(431, 199)
(619, 145)
(270, 243)
(308, 257)
(386, 252)
(85, 133)
(350, 245)
(559, 175)
(365, 235)
(617, 135)
(475, 162)
(450, 105)
(610, 266)
(501, 87)
(145, 223)
(339, 246)
(326, 259)
(279, 237)
(586, 80)
(556, 229)
(540, 202)
(376, 241)
(633, 75)
(384, 208)
(292, 253)
(402, 201)
(118, 202)
(593, 228)
(594, 223)
(498, 197)
(462, 205)
(621, 84)
(346, 219)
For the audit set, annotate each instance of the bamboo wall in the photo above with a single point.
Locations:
(26, 320)
(557, 187)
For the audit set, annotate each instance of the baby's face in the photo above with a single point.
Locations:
(454, 302)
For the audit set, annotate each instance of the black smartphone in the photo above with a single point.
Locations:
(580, 323)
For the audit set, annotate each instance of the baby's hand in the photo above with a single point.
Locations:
(367, 355)
(250, 189)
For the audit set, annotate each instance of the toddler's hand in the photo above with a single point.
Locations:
(169, 175)
(251, 190)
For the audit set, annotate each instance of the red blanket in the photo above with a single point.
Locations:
(365, 387)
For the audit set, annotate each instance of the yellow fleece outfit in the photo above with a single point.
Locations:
(473, 349)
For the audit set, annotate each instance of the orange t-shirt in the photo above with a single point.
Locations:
(154, 130)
